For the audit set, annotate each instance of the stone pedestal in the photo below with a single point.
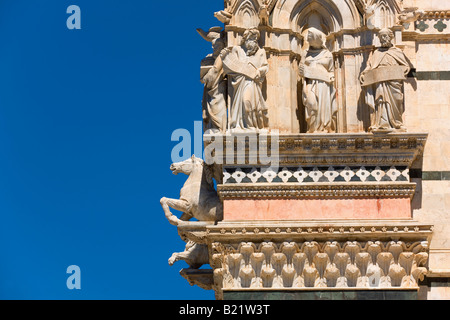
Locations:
(332, 220)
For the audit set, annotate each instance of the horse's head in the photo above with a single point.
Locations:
(186, 166)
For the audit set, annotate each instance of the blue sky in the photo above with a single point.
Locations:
(86, 118)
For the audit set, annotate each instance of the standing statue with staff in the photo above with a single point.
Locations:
(383, 78)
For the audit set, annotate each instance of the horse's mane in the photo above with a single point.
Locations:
(208, 174)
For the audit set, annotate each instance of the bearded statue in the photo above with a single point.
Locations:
(382, 79)
(246, 66)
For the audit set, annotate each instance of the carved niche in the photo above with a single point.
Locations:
(351, 28)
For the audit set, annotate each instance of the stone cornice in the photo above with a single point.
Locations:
(332, 149)
(436, 14)
(315, 191)
(320, 230)
(385, 230)
(430, 37)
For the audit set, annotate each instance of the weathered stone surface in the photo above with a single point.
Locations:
(347, 173)
(315, 263)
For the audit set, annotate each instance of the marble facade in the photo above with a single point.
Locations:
(377, 200)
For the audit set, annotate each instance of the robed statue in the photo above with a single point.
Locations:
(215, 85)
(318, 95)
(247, 66)
(383, 78)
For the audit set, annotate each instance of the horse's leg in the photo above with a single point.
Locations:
(186, 216)
(174, 258)
(185, 256)
(180, 205)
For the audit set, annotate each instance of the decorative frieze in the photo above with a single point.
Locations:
(293, 255)
(313, 191)
(325, 265)
(433, 22)
(320, 231)
(316, 174)
(436, 14)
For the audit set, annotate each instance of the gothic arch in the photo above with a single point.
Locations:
(384, 14)
(315, 14)
(246, 14)
(335, 14)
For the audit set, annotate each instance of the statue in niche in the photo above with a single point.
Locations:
(214, 101)
(247, 67)
(264, 14)
(319, 95)
(383, 78)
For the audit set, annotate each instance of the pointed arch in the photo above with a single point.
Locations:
(246, 14)
(384, 15)
(338, 14)
(385, 12)
(315, 14)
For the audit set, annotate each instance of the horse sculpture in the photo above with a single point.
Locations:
(198, 198)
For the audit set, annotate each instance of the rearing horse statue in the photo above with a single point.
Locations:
(198, 198)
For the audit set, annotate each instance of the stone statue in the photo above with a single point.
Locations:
(214, 101)
(264, 14)
(247, 67)
(223, 16)
(319, 94)
(383, 78)
(409, 15)
(369, 16)
(195, 255)
(198, 198)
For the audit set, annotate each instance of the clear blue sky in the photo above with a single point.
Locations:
(86, 118)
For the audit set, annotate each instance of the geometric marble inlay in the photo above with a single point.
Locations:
(315, 174)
